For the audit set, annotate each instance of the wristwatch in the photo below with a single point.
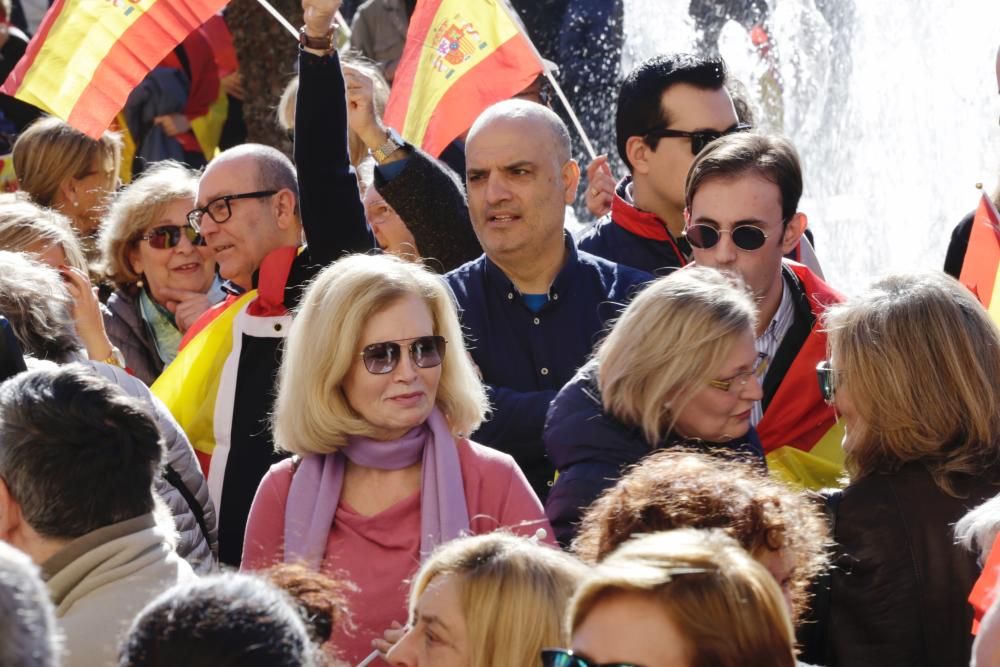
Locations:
(324, 43)
(392, 144)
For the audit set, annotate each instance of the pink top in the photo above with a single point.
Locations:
(380, 553)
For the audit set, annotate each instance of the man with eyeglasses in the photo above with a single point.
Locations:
(742, 216)
(533, 305)
(253, 212)
(669, 108)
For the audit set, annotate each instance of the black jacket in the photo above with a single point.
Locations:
(898, 592)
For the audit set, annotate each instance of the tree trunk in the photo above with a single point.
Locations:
(267, 53)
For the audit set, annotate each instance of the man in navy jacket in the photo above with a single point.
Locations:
(533, 306)
(661, 104)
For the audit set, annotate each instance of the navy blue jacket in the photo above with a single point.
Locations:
(590, 449)
(635, 238)
(526, 357)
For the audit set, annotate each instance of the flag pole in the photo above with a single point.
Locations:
(548, 75)
(342, 24)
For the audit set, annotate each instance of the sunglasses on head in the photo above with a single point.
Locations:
(827, 377)
(699, 139)
(557, 657)
(169, 236)
(745, 237)
(425, 351)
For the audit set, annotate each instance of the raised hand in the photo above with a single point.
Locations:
(318, 16)
(87, 313)
(600, 190)
(361, 116)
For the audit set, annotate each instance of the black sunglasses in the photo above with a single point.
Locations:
(699, 138)
(425, 351)
(169, 236)
(827, 377)
(745, 237)
(219, 209)
(557, 657)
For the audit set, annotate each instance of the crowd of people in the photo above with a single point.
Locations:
(357, 407)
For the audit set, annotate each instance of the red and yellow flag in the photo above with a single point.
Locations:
(461, 56)
(88, 55)
(982, 258)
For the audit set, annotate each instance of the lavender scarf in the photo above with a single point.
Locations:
(315, 491)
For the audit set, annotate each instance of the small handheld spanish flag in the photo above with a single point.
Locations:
(461, 56)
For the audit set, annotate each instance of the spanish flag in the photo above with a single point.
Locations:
(88, 55)
(461, 56)
(979, 270)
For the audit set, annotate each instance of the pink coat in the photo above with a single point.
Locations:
(379, 554)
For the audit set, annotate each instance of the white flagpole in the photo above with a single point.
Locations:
(279, 18)
(552, 80)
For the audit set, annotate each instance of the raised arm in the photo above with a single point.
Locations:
(332, 214)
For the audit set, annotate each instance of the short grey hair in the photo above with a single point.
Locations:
(24, 225)
(136, 209)
(978, 529)
(28, 635)
(38, 307)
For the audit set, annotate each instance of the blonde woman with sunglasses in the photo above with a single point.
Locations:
(163, 271)
(376, 399)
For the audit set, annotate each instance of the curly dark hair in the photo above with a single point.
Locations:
(321, 601)
(686, 489)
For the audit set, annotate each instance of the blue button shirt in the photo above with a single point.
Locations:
(526, 357)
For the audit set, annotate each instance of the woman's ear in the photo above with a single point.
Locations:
(66, 195)
(134, 257)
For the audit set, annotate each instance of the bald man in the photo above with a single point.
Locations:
(533, 306)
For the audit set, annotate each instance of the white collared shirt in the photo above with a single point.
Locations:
(769, 342)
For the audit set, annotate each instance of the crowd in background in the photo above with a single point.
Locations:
(367, 406)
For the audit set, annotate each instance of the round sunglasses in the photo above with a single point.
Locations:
(169, 236)
(425, 351)
(745, 237)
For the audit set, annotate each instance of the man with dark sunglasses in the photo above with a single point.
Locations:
(253, 211)
(742, 217)
(669, 108)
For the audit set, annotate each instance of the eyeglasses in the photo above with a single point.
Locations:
(827, 377)
(557, 657)
(169, 236)
(740, 379)
(699, 139)
(425, 351)
(745, 237)
(219, 209)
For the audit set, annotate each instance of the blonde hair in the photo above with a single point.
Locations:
(921, 358)
(514, 594)
(667, 343)
(312, 414)
(724, 603)
(135, 209)
(25, 225)
(358, 151)
(50, 151)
